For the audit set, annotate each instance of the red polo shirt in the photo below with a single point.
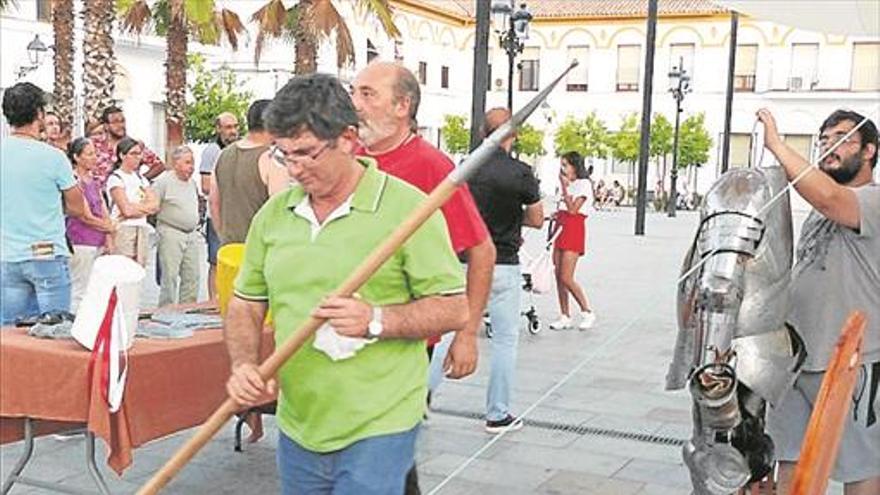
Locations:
(425, 167)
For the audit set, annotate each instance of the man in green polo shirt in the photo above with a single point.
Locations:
(351, 399)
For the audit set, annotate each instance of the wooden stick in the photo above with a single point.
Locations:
(361, 274)
(827, 421)
(271, 365)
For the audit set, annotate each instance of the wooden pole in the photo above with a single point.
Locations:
(822, 439)
(271, 365)
(354, 281)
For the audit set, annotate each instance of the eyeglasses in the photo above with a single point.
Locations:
(829, 141)
(293, 157)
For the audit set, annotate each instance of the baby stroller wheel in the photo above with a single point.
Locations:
(534, 325)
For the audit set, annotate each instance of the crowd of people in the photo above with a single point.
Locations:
(321, 177)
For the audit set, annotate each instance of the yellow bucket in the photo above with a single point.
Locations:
(229, 259)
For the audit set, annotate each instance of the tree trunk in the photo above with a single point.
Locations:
(99, 68)
(305, 47)
(306, 54)
(62, 25)
(175, 78)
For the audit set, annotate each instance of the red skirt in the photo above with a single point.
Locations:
(574, 232)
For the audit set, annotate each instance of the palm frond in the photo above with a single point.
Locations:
(344, 46)
(271, 20)
(135, 16)
(385, 13)
(198, 12)
(320, 18)
(229, 25)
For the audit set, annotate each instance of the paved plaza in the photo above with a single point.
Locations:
(609, 429)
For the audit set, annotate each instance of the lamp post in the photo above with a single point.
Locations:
(679, 85)
(512, 28)
(36, 50)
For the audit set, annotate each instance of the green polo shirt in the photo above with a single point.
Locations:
(326, 405)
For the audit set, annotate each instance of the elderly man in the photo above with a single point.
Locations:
(226, 129)
(34, 276)
(176, 224)
(387, 99)
(352, 398)
(837, 271)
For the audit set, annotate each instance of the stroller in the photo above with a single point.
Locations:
(537, 279)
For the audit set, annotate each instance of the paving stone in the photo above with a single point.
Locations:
(565, 482)
(658, 473)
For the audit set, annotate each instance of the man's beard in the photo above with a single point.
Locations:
(373, 131)
(846, 171)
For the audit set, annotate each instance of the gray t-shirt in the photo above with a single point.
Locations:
(838, 271)
(209, 158)
(178, 202)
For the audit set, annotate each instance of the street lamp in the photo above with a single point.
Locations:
(36, 50)
(679, 85)
(512, 28)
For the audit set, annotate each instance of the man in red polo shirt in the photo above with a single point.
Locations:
(386, 97)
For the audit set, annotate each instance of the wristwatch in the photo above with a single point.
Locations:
(374, 328)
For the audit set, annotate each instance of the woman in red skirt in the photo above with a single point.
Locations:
(575, 204)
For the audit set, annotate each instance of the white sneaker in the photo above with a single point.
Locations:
(562, 323)
(588, 318)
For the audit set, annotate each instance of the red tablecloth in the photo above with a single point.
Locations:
(172, 385)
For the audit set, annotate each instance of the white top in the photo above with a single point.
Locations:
(134, 185)
(583, 188)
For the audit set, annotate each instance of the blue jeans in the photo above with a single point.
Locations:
(33, 287)
(373, 466)
(504, 315)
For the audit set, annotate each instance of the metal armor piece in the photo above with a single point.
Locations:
(733, 349)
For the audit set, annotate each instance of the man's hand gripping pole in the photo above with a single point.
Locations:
(361, 274)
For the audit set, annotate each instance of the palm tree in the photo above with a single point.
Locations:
(312, 21)
(99, 68)
(177, 20)
(62, 25)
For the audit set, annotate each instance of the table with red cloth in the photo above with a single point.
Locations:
(172, 385)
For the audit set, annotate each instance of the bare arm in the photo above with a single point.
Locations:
(834, 201)
(152, 160)
(279, 179)
(126, 208)
(534, 215)
(572, 204)
(242, 332)
(214, 204)
(416, 320)
(205, 182)
(462, 358)
(150, 203)
(99, 223)
(73, 201)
